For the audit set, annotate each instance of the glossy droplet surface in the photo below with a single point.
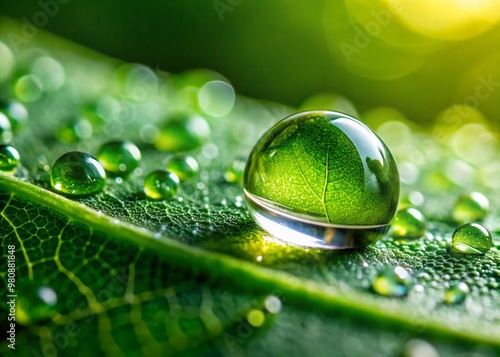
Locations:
(409, 224)
(184, 166)
(235, 170)
(9, 158)
(470, 207)
(119, 157)
(456, 294)
(77, 173)
(161, 185)
(322, 179)
(35, 304)
(182, 132)
(471, 238)
(393, 281)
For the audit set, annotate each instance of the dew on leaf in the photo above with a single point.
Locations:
(393, 282)
(419, 348)
(28, 88)
(471, 238)
(50, 72)
(470, 207)
(409, 224)
(76, 130)
(184, 166)
(456, 294)
(161, 185)
(322, 179)
(234, 171)
(272, 304)
(256, 317)
(182, 132)
(119, 158)
(77, 173)
(9, 158)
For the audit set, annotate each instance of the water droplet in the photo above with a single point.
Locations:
(216, 98)
(160, 185)
(119, 157)
(76, 130)
(184, 166)
(394, 282)
(182, 132)
(408, 224)
(9, 158)
(256, 318)
(471, 238)
(456, 294)
(470, 207)
(5, 130)
(234, 171)
(35, 304)
(331, 182)
(16, 113)
(272, 304)
(28, 88)
(77, 173)
(419, 348)
(50, 73)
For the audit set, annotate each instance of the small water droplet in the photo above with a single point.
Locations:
(471, 238)
(184, 166)
(234, 171)
(50, 73)
(160, 185)
(457, 293)
(419, 348)
(77, 173)
(76, 130)
(119, 157)
(471, 207)
(393, 281)
(273, 304)
(256, 318)
(409, 224)
(9, 158)
(182, 132)
(28, 88)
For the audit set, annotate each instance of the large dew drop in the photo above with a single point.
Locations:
(322, 179)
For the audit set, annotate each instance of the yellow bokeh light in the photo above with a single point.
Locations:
(449, 19)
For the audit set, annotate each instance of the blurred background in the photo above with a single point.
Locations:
(419, 57)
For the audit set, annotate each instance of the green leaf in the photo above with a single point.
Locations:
(139, 277)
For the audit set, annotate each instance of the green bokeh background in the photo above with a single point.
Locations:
(278, 50)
